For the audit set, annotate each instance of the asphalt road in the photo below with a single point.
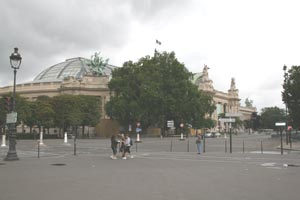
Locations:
(155, 172)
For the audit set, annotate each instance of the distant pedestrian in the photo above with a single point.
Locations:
(114, 146)
(127, 145)
(198, 143)
(122, 143)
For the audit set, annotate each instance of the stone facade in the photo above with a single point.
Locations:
(89, 84)
(225, 102)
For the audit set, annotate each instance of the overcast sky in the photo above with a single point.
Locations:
(249, 40)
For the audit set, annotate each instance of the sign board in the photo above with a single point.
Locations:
(11, 118)
(280, 124)
(138, 124)
(138, 130)
(170, 123)
(227, 120)
(233, 114)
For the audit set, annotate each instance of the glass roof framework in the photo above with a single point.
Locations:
(75, 67)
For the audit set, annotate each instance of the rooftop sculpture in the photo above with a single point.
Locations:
(97, 64)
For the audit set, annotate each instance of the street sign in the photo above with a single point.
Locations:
(233, 114)
(138, 124)
(138, 130)
(170, 123)
(11, 118)
(280, 124)
(227, 120)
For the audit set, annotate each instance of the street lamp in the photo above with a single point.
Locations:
(286, 111)
(15, 62)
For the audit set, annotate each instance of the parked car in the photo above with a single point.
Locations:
(212, 134)
(217, 134)
(209, 135)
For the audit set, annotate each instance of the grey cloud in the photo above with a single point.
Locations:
(44, 30)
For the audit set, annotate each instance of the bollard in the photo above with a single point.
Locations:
(204, 144)
(188, 145)
(138, 138)
(38, 149)
(136, 146)
(75, 145)
(171, 147)
(230, 140)
(281, 143)
(66, 138)
(261, 147)
(181, 137)
(41, 139)
(3, 141)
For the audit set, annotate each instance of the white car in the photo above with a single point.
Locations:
(217, 135)
(209, 135)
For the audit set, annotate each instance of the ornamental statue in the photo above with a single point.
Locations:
(232, 85)
(97, 64)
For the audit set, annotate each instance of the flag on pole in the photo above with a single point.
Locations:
(158, 42)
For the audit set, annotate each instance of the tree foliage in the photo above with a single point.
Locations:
(64, 111)
(156, 89)
(21, 108)
(291, 94)
(271, 115)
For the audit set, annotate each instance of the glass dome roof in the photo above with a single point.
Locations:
(75, 67)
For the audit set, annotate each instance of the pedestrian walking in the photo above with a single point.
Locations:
(114, 145)
(122, 143)
(127, 145)
(198, 143)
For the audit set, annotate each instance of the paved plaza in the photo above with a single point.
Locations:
(161, 169)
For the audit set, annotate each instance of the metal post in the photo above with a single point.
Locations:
(243, 146)
(38, 149)
(204, 141)
(286, 108)
(12, 153)
(290, 133)
(188, 145)
(286, 136)
(136, 147)
(261, 147)
(225, 145)
(171, 147)
(75, 145)
(281, 145)
(230, 140)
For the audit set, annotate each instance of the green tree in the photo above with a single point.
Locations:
(156, 89)
(21, 107)
(291, 94)
(271, 115)
(44, 112)
(67, 112)
(90, 108)
(72, 111)
(3, 113)
(31, 118)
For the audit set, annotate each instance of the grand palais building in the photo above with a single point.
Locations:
(74, 77)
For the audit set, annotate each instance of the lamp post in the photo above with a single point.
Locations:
(15, 62)
(286, 111)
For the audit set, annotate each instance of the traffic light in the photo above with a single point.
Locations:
(8, 103)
